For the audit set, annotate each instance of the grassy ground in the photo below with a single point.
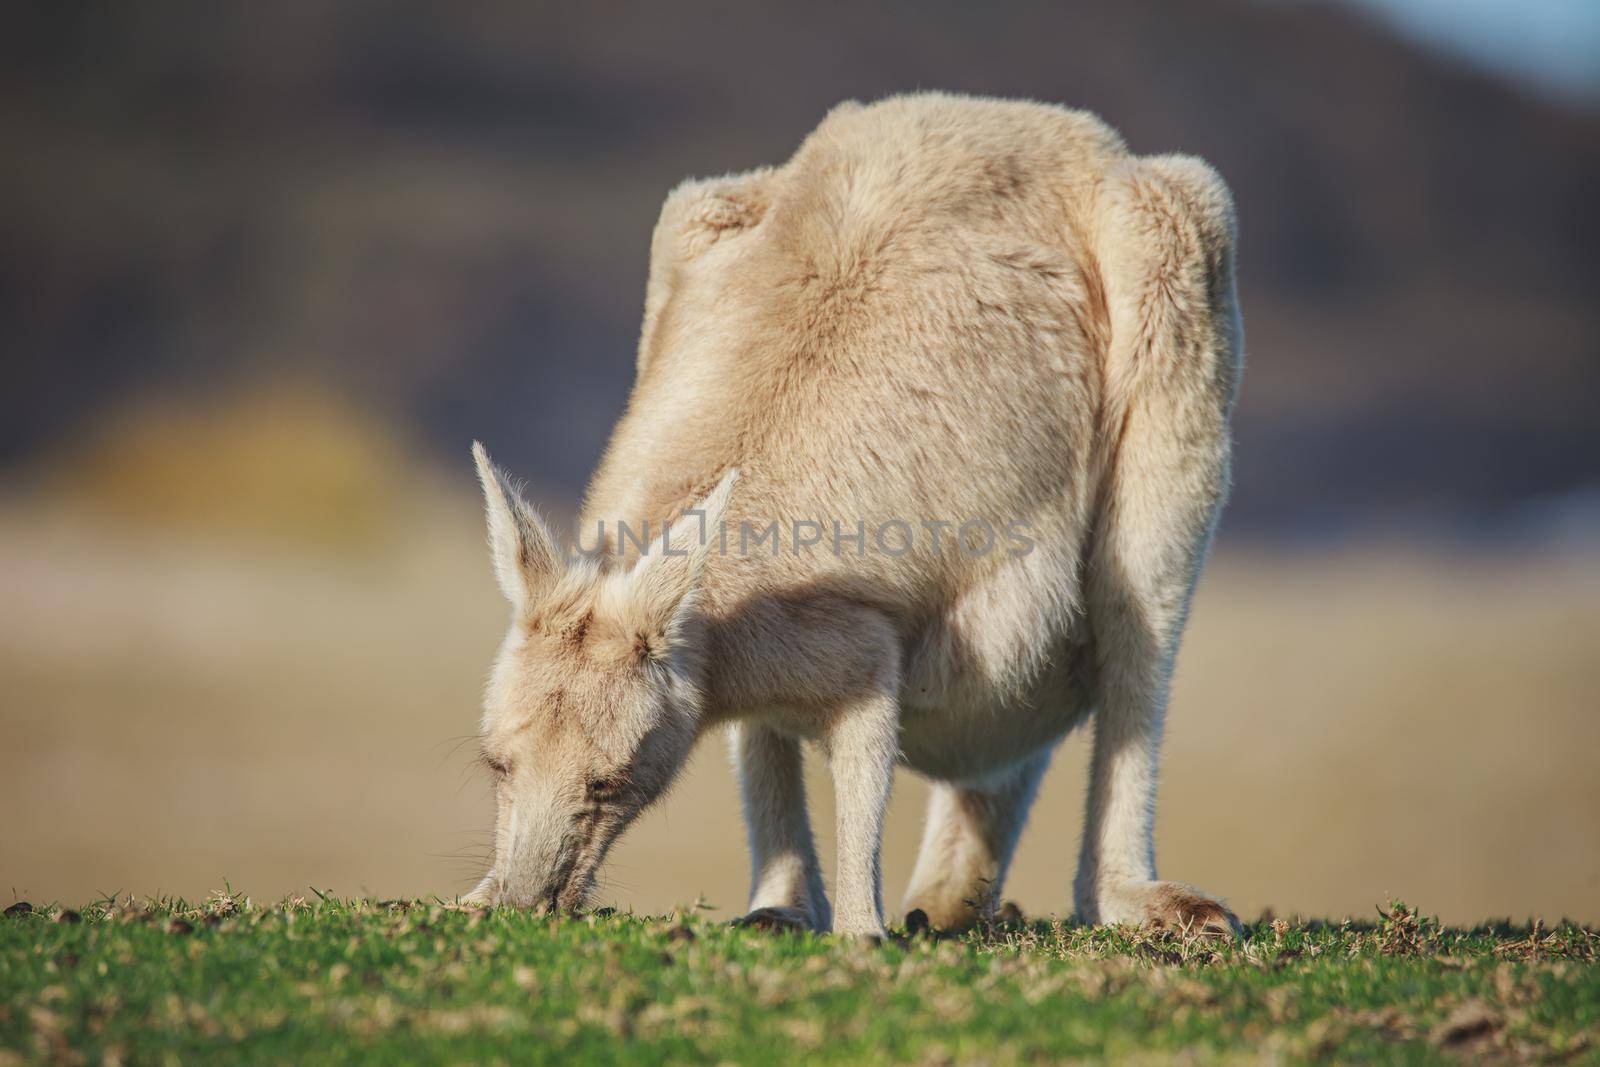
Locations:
(348, 981)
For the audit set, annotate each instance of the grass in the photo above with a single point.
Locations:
(335, 981)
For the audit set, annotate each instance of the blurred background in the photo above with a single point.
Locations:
(265, 270)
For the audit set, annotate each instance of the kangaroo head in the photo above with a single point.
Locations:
(592, 704)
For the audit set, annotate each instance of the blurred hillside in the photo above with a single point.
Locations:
(448, 220)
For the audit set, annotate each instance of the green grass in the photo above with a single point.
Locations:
(329, 981)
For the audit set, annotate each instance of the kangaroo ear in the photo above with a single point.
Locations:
(663, 583)
(525, 556)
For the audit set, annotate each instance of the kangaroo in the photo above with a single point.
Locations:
(944, 315)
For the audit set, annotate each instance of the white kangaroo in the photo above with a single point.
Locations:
(943, 316)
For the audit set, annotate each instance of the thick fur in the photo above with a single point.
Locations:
(941, 308)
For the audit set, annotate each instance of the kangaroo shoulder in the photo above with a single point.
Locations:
(695, 217)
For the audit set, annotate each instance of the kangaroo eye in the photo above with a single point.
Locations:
(497, 769)
(602, 789)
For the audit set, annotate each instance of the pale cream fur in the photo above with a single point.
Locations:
(941, 308)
